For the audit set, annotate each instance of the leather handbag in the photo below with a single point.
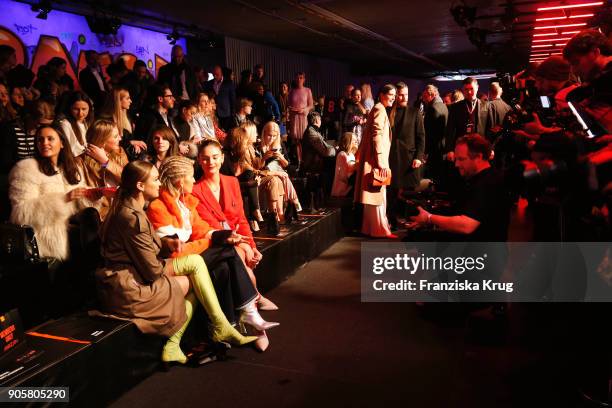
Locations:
(378, 180)
(18, 243)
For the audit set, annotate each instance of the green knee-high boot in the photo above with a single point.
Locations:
(172, 349)
(195, 268)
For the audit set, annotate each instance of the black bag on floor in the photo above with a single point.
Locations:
(18, 243)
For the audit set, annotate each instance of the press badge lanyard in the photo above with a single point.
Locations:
(471, 116)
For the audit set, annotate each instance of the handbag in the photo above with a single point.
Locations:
(378, 180)
(18, 243)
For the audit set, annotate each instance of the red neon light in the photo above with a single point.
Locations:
(548, 45)
(599, 3)
(560, 26)
(553, 39)
(569, 32)
(564, 17)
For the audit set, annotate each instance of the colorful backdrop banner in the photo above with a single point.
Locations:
(67, 36)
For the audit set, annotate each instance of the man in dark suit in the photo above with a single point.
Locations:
(498, 109)
(92, 80)
(464, 117)
(407, 150)
(434, 121)
(179, 76)
(224, 92)
(160, 114)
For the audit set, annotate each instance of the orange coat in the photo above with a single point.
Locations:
(164, 211)
(373, 153)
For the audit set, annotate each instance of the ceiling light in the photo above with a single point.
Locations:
(598, 3)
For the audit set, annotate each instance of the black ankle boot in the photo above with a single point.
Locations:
(290, 213)
(273, 228)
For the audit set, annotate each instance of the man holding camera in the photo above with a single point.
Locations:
(483, 208)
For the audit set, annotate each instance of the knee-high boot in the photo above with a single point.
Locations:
(172, 349)
(195, 268)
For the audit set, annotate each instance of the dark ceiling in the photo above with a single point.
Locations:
(414, 38)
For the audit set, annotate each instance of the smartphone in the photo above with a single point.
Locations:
(545, 101)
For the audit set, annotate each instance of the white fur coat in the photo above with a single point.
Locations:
(38, 200)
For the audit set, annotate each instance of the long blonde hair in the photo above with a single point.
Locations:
(113, 109)
(269, 127)
(100, 132)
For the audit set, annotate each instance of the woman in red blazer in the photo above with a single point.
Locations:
(220, 205)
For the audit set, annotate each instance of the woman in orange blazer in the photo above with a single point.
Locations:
(175, 218)
(220, 205)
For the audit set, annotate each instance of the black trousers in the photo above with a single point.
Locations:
(249, 190)
(230, 278)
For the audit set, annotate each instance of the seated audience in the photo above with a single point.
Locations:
(248, 164)
(245, 108)
(47, 190)
(187, 129)
(274, 154)
(105, 158)
(344, 179)
(315, 150)
(136, 283)
(203, 117)
(117, 110)
(162, 145)
(219, 133)
(159, 114)
(77, 116)
(220, 205)
(175, 218)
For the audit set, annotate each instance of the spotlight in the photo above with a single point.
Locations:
(103, 25)
(43, 7)
(173, 37)
(463, 14)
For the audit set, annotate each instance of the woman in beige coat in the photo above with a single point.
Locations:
(373, 154)
(158, 296)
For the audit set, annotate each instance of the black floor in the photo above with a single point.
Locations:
(331, 350)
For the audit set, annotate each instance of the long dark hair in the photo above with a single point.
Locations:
(65, 160)
(72, 98)
(133, 172)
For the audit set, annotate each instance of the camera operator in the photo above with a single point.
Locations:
(590, 55)
(552, 80)
(483, 206)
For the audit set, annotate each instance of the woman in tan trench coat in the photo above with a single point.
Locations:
(373, 154)
(158, 296)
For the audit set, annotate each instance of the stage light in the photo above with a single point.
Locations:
(598, 3)
(43, 8)
(549, 45)
(103, 24)
(173, 37)
(564, 17)
(560, 26)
